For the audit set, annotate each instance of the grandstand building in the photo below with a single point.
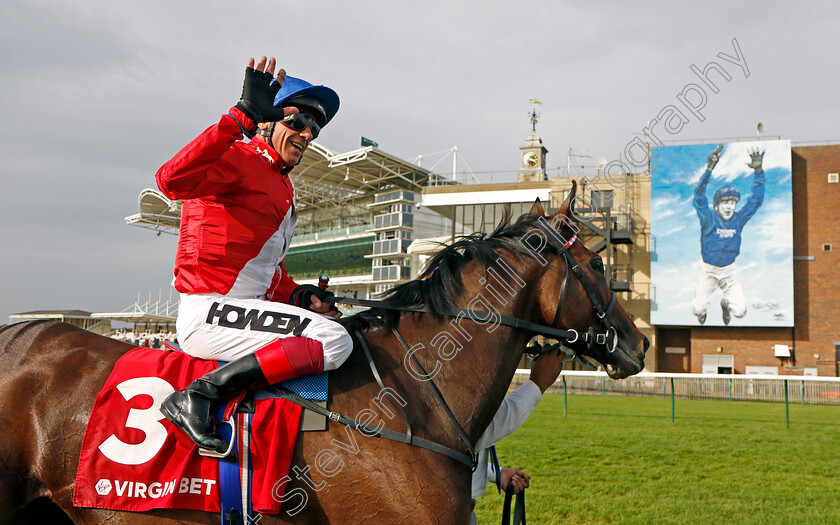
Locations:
(79, 318)
(144, 323)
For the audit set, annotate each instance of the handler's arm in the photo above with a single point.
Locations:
(514, 411)
(518, 406)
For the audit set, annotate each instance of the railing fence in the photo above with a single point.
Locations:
(811, 390)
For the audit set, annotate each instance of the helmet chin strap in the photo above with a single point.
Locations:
(268, 134)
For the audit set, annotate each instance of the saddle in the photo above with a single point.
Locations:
(133, 459)
(313, 388)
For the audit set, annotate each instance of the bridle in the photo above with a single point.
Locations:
(608, 338)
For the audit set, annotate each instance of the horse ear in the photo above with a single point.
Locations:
(568, 206)
(537, 208)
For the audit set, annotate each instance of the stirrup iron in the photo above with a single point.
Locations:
(228, 454)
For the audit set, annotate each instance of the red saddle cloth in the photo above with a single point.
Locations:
(134, 459)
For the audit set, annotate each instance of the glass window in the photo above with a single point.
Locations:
(603, 199)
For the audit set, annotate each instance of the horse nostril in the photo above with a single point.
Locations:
(647, 344)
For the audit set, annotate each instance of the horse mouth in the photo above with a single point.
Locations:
(623, 364)
(618, 373)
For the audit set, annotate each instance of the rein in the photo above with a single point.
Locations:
(608, 338)
(366, 429)
(518, 509)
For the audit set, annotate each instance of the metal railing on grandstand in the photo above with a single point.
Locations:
(327, 234)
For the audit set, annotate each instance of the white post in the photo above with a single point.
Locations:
(569, 163)
(454, 161)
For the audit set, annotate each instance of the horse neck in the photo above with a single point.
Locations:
(472, 363)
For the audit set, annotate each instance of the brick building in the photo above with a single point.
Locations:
(814, 340)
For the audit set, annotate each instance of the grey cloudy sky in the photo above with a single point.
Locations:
(97, 94)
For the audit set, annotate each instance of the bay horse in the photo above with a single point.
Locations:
(52, 373)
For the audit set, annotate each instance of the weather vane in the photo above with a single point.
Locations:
(535, 117)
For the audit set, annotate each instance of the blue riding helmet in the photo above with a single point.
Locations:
(321, 101)
(727, 192)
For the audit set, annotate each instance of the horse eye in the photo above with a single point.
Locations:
(598, 265)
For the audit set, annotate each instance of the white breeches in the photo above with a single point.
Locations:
(723, 277)
(212, 326)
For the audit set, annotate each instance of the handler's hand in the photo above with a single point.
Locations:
(546, 369)
(520, 480)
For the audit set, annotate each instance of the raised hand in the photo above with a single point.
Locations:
(756, 158)
(713, 159)
(258, 91)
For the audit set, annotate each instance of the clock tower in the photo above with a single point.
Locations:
(533, 153)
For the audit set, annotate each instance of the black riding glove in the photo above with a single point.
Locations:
(258, 93)
(302, 296)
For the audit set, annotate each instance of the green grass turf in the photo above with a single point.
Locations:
(622, 460)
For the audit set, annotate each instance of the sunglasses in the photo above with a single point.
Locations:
(299, 122)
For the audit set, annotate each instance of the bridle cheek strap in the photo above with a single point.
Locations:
(562, 294)
(563, 249)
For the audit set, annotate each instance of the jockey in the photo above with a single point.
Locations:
(238, 304)
(720, 238)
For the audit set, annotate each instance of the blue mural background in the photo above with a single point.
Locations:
(765, 263)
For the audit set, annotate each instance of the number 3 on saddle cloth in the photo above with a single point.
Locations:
(134, 459)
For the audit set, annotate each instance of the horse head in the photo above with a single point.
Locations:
(574, 276)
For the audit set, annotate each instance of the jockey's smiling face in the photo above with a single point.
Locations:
(289, 142)
(726, 208)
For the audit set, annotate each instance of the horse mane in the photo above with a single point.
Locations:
(436, 288)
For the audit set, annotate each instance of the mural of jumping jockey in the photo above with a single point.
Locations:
(721, 222)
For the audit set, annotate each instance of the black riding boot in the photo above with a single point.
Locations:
(192, 408)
